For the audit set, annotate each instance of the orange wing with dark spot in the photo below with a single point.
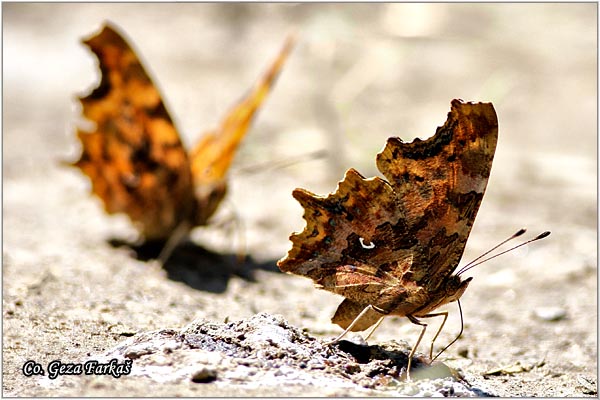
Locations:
(134, 157)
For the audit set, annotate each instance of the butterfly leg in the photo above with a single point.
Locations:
(226, 223)
(445, 314)
(349, 328)
(412, 352)
(373, 328)
(455, 339)
(179, 233)
(417, 322)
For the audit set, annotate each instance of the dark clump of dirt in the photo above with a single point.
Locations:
(267, 349)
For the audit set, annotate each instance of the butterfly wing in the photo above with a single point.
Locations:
(378, 242)
(334, 248)
(134, 157)
(212, 156)
(441, 182)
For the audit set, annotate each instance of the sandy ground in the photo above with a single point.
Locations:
(359, 74)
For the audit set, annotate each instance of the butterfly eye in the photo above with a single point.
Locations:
(366, 246)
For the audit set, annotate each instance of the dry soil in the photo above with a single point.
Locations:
(359, 74)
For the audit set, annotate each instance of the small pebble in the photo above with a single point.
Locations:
(204, 375)
(463, 351)
(352, 368)
(587, 384)
(550, 313)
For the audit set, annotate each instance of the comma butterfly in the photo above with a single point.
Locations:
(135, 158)
(390, 247)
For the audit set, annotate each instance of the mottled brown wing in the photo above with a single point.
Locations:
(376, 242)
(333, 249)
(134, 157)
(441, 182)
(212, 156)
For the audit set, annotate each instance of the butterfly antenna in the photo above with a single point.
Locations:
(519, 233)
(279, 164)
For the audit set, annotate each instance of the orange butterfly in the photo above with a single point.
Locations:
(135, 158)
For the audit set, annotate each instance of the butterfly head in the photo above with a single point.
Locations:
(454, 288)
(450, 290)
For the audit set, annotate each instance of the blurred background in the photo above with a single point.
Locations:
(359, 74)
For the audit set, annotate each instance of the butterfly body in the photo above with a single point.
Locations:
(134, 157)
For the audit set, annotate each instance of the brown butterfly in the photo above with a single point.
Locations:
(390, 247)
(135, 158)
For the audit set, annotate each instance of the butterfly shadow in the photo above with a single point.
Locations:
(391, 359)
(197, 267)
